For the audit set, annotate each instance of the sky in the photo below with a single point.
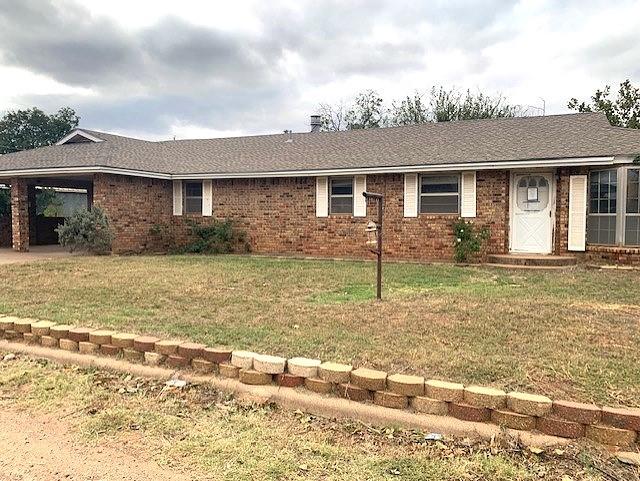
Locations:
(194, 69)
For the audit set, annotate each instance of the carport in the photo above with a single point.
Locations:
(28, 227)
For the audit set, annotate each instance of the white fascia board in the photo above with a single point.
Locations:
(79, 132)
(459, 167)
(82, 170)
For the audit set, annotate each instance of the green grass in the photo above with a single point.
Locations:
(210, 433)
(571, 334)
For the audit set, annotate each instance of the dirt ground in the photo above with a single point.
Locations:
(43, 448)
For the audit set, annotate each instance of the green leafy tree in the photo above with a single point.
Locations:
(408, 111)
(623, 111)
(367, 111)
(439, 105)
(49, 203)
(448, 105)
(31, 128)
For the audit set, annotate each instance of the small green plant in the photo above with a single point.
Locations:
(220, 237)
(468, 240)
(86, 230)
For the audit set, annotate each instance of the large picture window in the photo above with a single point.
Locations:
(603, 200)
(439, 194)
(632, 211)
(193, 197)
(341, 195)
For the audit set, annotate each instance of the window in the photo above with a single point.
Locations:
(632, 212)
(193, 197)
(533, 193)
(603, 198)
(341, 192)
(439, 194)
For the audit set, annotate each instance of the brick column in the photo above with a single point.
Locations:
(20, 214)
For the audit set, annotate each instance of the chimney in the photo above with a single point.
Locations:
(316, 123)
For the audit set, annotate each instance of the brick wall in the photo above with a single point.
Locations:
(278, 215)
(134, 205)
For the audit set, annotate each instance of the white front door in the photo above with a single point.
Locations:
(533, 203)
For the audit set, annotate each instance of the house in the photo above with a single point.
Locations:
(558, 184)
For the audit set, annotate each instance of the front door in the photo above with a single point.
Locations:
(532, 213)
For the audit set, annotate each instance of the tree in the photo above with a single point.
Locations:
(31, 128)
(449, 105)
(367, 112)
(624, 111)
(333, 117)
(408, 111)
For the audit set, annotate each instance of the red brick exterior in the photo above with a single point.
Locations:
(134, 206)
(20, 214)
(278, 215)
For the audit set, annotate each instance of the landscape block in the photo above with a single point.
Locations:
(242, 359)
(529, 404)
(512, 420)
(428, 405)
(485, 397)
(269, 364)
(369, 379)
(334, 372)
(390, 400)
(444, 391)
(303, 367)
(406, 385)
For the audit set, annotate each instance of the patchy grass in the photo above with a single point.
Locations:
(204, 430)
(572, 333)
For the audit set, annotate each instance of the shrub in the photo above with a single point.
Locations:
(468, 241)
(86, 230)
(220, 237)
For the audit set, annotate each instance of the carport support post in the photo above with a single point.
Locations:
(20, 214)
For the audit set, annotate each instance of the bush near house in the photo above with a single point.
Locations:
(86, 230)
(468, 239)
(221, 237)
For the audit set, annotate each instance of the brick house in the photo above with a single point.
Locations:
(557, 185)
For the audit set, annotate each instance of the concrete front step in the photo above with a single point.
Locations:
(532, 260)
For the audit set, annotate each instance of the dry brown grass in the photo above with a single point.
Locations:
(571, 333)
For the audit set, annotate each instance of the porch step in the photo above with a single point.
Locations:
(531, 260)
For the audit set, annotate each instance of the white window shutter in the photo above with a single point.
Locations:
(359, 202)
(468, 195)
(322, 196)
(411, 195)
(177, 197)
(207, 198)
(577, 213)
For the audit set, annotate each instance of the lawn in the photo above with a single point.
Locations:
(214, 436)
(570, 334)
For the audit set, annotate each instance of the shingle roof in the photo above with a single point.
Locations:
(516, 139)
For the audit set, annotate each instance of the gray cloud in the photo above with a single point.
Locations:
(172, 71)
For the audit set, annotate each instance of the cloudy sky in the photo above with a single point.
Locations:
(158, 69)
